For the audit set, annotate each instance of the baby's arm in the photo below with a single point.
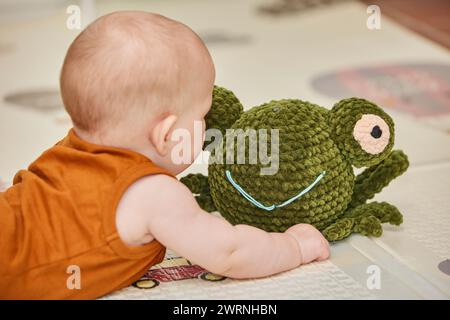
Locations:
(174, 218)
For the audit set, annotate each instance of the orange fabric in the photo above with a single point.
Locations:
(61, 212)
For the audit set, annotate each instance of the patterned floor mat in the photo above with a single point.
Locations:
(321, 280)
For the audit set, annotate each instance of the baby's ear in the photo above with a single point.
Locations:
(225, 110)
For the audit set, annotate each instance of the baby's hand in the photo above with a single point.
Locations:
(312, 244)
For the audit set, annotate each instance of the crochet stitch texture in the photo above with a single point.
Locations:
(312, 139)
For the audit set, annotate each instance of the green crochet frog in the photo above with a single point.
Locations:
(313, 181)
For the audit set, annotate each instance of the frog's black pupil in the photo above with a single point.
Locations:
(376, 132)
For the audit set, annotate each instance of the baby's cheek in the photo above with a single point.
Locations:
(198, 138)
(197, 146)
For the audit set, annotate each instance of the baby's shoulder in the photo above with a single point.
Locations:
(146, 198)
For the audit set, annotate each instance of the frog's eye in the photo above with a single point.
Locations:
(372, 133)
(362, 131)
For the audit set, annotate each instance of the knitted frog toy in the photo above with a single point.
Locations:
(314, 182)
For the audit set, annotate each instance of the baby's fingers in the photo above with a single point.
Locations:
(324, 251)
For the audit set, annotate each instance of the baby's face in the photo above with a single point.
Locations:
(189, 134)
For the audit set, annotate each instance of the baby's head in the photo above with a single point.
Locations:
(131, 79)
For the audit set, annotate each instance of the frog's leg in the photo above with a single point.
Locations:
(375, 178)
(365, 219)
(340, 229)
(383, 211)
(199, 186)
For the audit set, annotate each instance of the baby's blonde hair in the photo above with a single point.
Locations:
(128, 64)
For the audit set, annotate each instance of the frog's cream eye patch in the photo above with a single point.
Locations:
(372, 133)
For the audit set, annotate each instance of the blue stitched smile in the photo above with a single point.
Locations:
(273, 206)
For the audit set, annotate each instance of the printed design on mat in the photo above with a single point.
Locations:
(444, 266)
(174, 269)
(223, 37)
(422, 90)
(46, 100)
(289, 7)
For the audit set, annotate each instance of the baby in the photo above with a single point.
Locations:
(96, 210)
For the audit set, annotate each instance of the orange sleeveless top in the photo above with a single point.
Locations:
(58, 236)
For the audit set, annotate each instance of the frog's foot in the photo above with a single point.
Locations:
(375, 178)
(368, 226)
(339, 230)
(206, 203)
(199, 186)
(342, 228)
(383, 211)
(365, 219)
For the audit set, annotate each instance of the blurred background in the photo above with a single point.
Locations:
(393, 52)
